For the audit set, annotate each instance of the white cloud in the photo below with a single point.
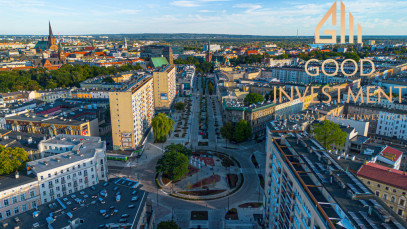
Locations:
(185, 3)
(129, 11)
(206, 11)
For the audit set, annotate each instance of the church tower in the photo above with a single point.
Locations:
(61, 54)
(52, 43)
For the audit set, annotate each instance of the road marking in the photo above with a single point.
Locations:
(155, 146)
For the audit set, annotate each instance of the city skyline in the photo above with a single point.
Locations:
(268, 18)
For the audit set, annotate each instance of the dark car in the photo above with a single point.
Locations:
(123, 220)
(124, 216)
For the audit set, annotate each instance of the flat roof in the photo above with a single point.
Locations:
(89, 210)
(319, 171)
(10, 181)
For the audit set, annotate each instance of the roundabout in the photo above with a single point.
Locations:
(212, 175)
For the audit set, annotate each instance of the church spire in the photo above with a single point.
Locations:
(50, 30)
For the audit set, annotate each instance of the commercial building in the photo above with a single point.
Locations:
(93, 207)
(388, 184)
(165, 87)
(43, 124)
(305, 187)
(71, 163)
(131, 112)
(19, 193)
(185, 79)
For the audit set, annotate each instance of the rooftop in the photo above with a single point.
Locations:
(320, 174)
(383, 174)
(84, 207)
(10, 181)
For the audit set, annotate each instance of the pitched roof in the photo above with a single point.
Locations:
(391, 153)
(382, 174)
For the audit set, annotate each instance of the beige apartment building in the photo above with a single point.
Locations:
(132, 111)
(18, 193)
(164, 87)
(388, 184)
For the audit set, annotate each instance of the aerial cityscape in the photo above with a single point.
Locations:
(210, 114)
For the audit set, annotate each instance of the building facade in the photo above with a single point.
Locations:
(165, 87)
(77, 162)
(18, 193)
(388, 184)
(131, 111)
(306, 188)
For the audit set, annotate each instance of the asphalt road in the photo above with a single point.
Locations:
(143, 169)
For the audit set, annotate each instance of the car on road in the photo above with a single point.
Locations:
(131, 206)
(122, 220)
(125, 216)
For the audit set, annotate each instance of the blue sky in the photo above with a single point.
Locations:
(255, 17)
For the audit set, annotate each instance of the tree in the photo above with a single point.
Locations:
(179, 148)
(252, 98)
(211, 89)
(179, 106)
(243, 131)
(227, 130)
(162, 126)
(329, 134)
(108, 80)
(173, 165)
(171, 224)
(270, 96)
(12, 159)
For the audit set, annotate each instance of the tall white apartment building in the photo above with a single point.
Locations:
(305, 187)
(76, 162)
(392, 124)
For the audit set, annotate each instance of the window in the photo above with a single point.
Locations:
(393, 199)
(368, 182)
(377, 193)
(378, 185)
(394, 190)
(14, 199)
(402, 202)
(8, 213)
(385, 196)
(400, 212)
(6, 203)
(387, 188)
(33, 204)
(1, 216)
(16, 210)
(22, 197)
(45, 200)
(49, 174)
(24, 208)
(32, 193)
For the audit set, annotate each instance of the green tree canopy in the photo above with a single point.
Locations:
(179, 148)
(66, 76)
(252, 98)
(329, 134)
(108, 80)
(211, 89)
(171, 224)
(162, 126)
(12, 159)
(227, 130)
(179, 106)
(173, 164)
(243, 131)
